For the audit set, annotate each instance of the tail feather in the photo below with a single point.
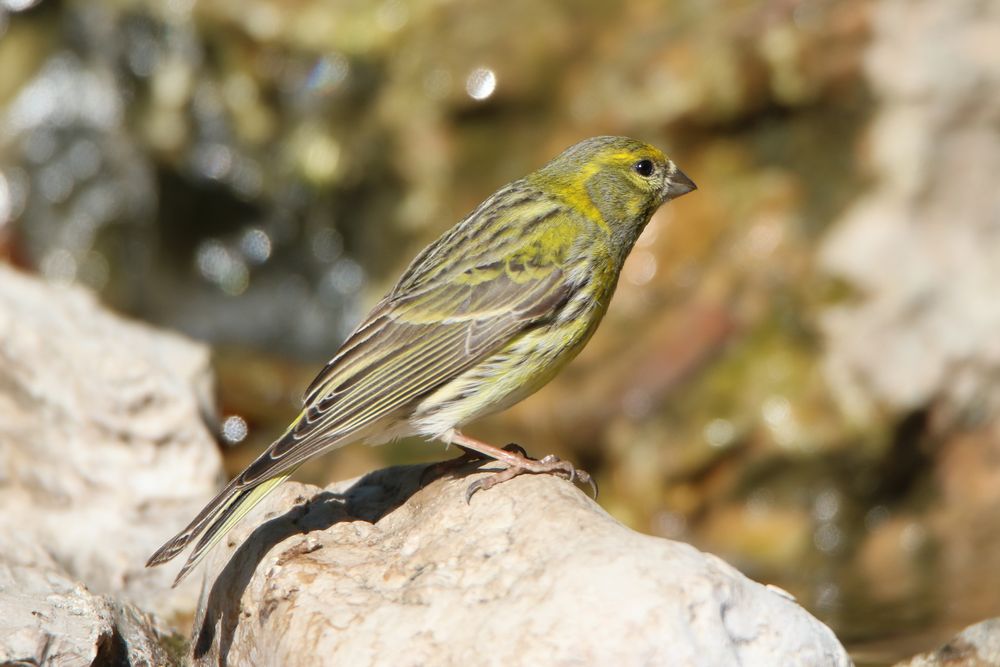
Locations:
(228, 517)
(214, 521)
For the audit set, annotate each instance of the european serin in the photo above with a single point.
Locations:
(483, 317)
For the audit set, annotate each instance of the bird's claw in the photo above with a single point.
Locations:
(573, 473)
(584, 477)
(488, 482)
(550, 464)
(472, 488)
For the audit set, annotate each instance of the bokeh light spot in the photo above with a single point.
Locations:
(346, 276)
(234, 429)
(481, 83)
(827, 537)
(720, 433)
(256, 245)
(326, 244)
(218, 265)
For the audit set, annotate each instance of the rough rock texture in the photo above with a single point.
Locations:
(103, 443)
(46, 618)
(922, 247)
(379, 571)
(976, 646)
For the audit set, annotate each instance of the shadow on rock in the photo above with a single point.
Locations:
(369, 499)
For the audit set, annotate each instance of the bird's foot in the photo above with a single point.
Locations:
(467, 457)
(549, 465)
(517, 462)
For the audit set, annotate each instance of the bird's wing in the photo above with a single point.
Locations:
(418, 338)
(409, 347)
(452, 280)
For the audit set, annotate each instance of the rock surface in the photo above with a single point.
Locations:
(381, 571)
(46, 618)
(976, 646)
(103, 441)
(925, 327)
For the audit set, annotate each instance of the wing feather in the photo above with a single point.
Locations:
(406, 361)
(466, 296)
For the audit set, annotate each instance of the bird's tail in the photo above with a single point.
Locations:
(214, 521)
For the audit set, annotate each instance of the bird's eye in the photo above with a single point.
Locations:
(643, 167)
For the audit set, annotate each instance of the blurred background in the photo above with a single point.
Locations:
(801, 368)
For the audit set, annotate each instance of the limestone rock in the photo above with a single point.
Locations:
(921, 246)
(976, 646)
(46, 618)
(103, 442)
(381, 571)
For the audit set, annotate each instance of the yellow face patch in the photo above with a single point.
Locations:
(575, 194)
(573, 190)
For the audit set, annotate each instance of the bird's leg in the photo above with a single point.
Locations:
(517, 462)
(466, 457)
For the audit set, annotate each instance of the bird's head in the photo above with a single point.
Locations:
(616, 181)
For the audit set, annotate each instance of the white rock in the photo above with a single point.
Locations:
(975, 646)
(923, 245)
(532, 572)
(48, 619)
(103, 444)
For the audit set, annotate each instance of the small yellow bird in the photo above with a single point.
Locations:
(482, 318)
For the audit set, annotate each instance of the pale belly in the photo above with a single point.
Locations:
(502, 380)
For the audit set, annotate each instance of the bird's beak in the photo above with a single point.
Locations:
(678, 184)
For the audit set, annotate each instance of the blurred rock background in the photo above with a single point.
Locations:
(800, 369)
